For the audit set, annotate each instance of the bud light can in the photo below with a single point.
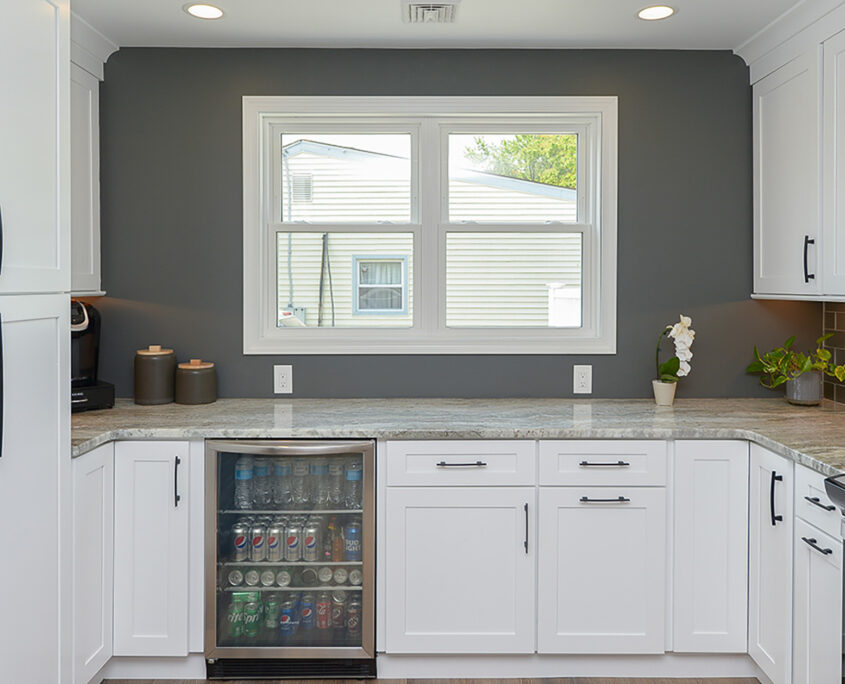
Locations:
(240, 541)
(311, 542)
(252, 619)
(352, 540)
(258, 542)
(286, 623)
(306, 612)
(275, 547)
(293, 542)
(235, 619)
(353, 618)
(323, 611)
(339, 609)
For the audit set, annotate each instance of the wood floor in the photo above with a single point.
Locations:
(563, 680)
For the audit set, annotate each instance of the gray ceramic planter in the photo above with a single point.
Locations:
(805, 390)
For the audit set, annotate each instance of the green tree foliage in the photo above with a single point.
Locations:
(549, 159)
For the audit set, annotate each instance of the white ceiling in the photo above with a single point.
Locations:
(697, 24)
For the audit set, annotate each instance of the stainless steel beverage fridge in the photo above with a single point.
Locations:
(290, 559)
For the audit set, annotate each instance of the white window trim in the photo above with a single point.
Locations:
(261, 335)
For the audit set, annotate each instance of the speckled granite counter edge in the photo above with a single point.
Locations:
(85, 446)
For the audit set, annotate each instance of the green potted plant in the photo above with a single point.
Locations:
(800, 372)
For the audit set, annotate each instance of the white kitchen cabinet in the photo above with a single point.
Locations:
(770, 564)
(151, 548)
(787, 215)
(460, 570)
(35, 144)
(34, 486)
(833, 158)
(93, 561)
(711, 547)
(85, 182)
(602, 570)
(817, 631)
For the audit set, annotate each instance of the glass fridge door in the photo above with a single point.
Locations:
(290, 549)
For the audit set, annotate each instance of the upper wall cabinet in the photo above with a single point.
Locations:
(833, 264)
(34, 139)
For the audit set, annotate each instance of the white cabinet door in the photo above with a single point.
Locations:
(151, 548)
(34, 139)
(460, 570)
(770, 564)
(817, 645)
(711, 547)
(833, 270)
(93, 561)
(602, 570)
(34, 486)
(84, 181)
(787, 106)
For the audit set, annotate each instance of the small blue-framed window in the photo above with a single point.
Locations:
(380, 285)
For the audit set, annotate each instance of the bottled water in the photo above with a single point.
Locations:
(319, 482)
(299, 483)
(336, 481)
(282, 496)
(261, 493)
(243, 482)
(354, 481)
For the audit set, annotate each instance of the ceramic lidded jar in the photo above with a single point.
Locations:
(154, 368)
(196, 382)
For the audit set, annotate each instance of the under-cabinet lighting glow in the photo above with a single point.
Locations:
(655, 12)
(204, 11)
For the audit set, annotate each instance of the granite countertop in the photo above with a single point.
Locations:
(813, 436)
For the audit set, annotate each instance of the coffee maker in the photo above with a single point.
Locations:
(87, 391)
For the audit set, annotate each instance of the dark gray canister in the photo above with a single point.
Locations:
(154, 375)
(196, 382)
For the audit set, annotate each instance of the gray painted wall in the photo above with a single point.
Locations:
(171, 214)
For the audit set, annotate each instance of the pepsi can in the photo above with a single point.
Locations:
(293, 542)
(258, 542)
(311, 542)
(352, 540)
(275, 547)
(240, 542)
(286, 618)
(306, 612)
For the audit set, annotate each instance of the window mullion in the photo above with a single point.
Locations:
(428, 292)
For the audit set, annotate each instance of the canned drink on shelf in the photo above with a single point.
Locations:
(240, 541)
(324, 576)
(235, 578)
(311, 542)
(258, 541)
(339, 609)
(252, 619)
(340, 575)
(244, 596)
(271, 612)
(286, 618)
(252, 577)
(323, 611)
(293, 542)
(235, 619)
(352, 540)
(356, 577)
(283, 578)
(275, 545)
(308, 577)
(353, 617)
(268, 578)
(306, 612)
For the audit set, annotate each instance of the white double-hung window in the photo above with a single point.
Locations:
(429, 225)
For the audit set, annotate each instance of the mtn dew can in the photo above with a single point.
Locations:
(235, 619)
(252, 619)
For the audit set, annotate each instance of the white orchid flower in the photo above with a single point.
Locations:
(684, 369)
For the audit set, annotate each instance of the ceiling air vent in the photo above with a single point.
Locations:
(442, 12)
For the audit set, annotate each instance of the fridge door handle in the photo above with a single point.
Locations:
(176, 497)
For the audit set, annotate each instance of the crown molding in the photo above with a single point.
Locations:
(89, 49)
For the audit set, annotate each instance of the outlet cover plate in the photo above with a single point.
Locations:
(283, 379)
(582, 379)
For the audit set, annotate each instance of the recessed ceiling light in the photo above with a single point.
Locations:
(204, 11)
(655, 12)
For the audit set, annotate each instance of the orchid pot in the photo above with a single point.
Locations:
(664, 392)
(677, 367)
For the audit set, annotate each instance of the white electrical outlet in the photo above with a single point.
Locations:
(283, 379)
(582, 379)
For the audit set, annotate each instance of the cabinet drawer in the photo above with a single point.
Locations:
(603, 462)
(811, 502)
(471, 462)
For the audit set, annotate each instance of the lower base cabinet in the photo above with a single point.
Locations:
(817, 620)
(460, 570)
(602, 570)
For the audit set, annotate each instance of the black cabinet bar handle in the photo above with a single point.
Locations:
(176, 497)
(526, 528)
(807, 242)
(618, 499)
(813, 543)
(775, 478)
(591, 464)
(817, 502)
(477, 464)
